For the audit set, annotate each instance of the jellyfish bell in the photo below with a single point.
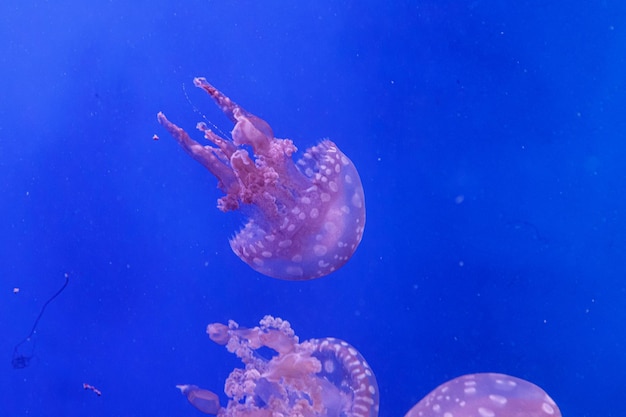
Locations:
(486, 395)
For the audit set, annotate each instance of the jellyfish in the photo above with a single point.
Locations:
(306, 218)
(317, 377)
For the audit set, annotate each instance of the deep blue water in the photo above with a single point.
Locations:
(489, 137)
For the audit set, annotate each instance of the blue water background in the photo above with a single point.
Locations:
(489, 136)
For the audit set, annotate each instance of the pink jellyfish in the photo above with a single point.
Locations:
(318, 377)
(486, 395)
(306, 219)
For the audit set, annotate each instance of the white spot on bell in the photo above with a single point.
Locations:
(320, 250)
(505, 384)
(485, 412)
(498, 399)
(547, 408)
(330, 227)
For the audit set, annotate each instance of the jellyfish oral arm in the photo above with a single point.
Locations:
(206, 155)
(205, 401)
